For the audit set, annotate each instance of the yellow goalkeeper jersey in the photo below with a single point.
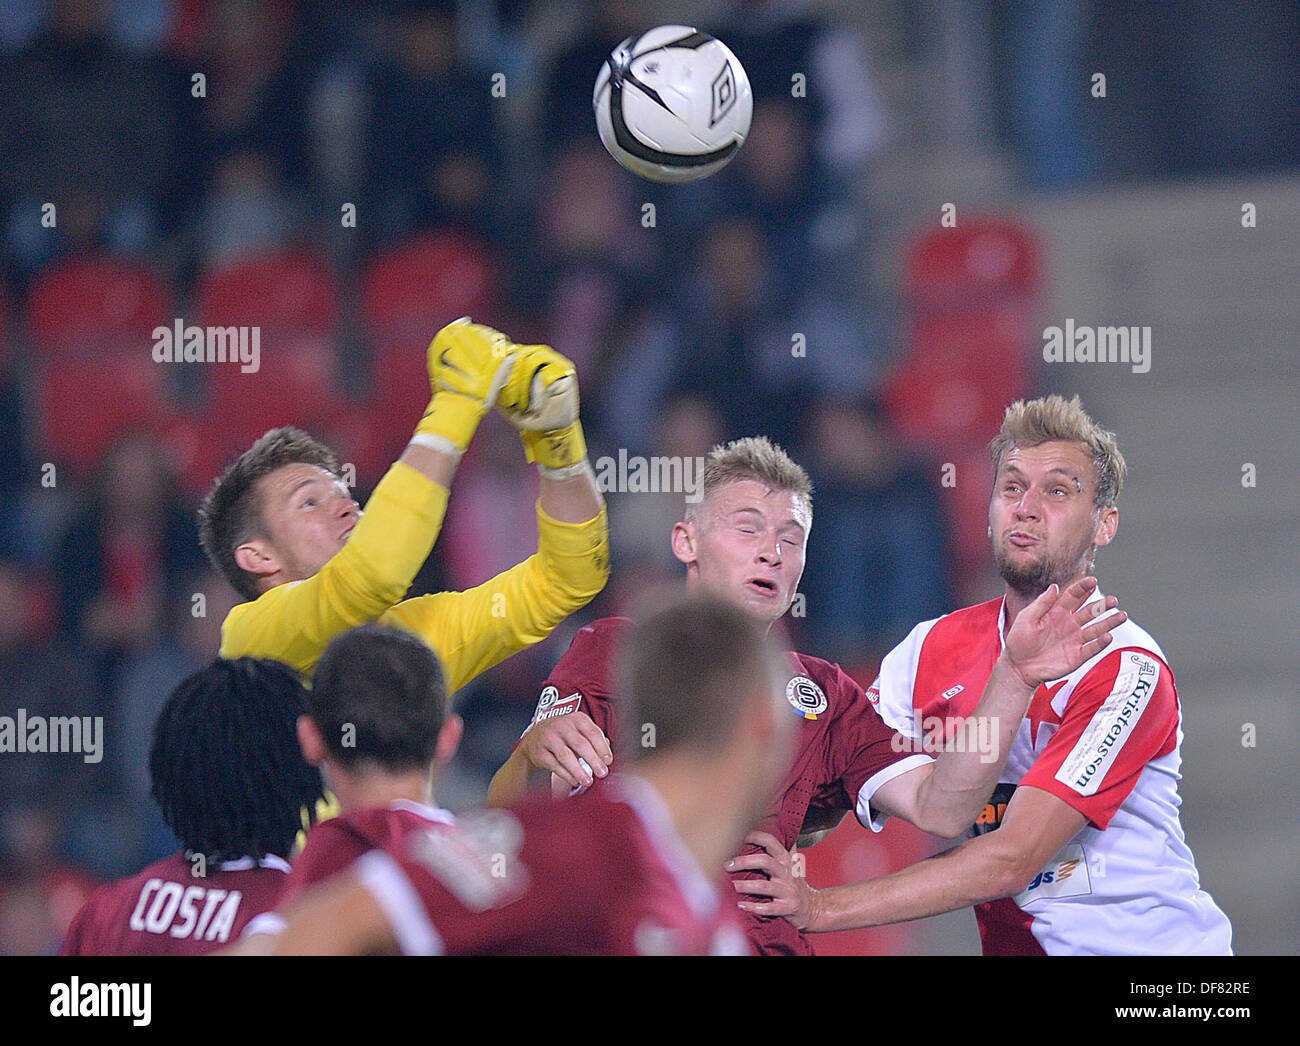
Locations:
(470, 631)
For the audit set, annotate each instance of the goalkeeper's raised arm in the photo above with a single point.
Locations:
(475, 629)
(282, 527)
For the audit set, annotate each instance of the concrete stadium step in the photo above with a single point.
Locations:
(1174, 468)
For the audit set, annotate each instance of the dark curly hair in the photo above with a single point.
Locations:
(226, 768)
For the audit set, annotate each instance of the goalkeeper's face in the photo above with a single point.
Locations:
(309, 515)
(746, 545)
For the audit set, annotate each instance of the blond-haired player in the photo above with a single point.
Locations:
(744, 542)
(1081, 850)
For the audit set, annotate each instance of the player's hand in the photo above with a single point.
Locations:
(541, 400)
(542, 390)
(1059, 631)
(468, 365)
(786, 886)
(557, 744)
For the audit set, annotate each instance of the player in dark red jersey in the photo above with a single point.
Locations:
(230, 781)
(744, 541)
(631, 868)
(377, 726)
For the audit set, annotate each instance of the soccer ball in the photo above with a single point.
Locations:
(673, 104)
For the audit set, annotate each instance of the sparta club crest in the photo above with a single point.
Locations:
(806, 697)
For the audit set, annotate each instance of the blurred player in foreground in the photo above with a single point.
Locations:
(630, 868)
(744, 542)
(230, 780)
(377, 725)
(1088, 855)
(282, 527)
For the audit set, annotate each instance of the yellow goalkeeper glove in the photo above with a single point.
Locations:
(468, 365)
(541, 400)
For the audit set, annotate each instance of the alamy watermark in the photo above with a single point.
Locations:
(190, 344)
(72, 998)
(658, 475)
(1076, 343)
(57, 735)
(941, 734)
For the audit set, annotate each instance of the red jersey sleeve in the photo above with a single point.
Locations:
(1122, 714)
(862, 751)
(580, 680)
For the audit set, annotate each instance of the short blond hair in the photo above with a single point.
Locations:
(755, 458)
(1028, 423)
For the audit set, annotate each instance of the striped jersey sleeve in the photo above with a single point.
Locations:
(1120, 716)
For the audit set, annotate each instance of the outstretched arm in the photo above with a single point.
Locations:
(1049, 639)
(476, 629)
(541, 401)
(1128, 697)
(999, 864)
(473, 630)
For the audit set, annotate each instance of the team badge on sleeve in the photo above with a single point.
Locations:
(808, 699)
(549, 705)
(873, 694)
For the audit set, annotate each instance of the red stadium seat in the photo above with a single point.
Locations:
(290, 305)
(202, 452)
(199, 451)
(85, 404)
(399, 394)
(407, 295)
(367, 446)
(958, 377)
(979, 261)
(290, 290)
(294, 385)
(92, 323)
(411, 291)
(972, 294)
(92, 303)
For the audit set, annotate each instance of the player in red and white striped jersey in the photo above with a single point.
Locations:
(1088, 855)
(377, 725)
(634, 867)
(231, 782)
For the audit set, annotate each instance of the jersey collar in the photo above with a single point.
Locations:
(243, 864)
(429, 813)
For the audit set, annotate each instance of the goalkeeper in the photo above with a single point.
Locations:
(283, 529)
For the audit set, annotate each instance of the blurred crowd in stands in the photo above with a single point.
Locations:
(348, 177)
